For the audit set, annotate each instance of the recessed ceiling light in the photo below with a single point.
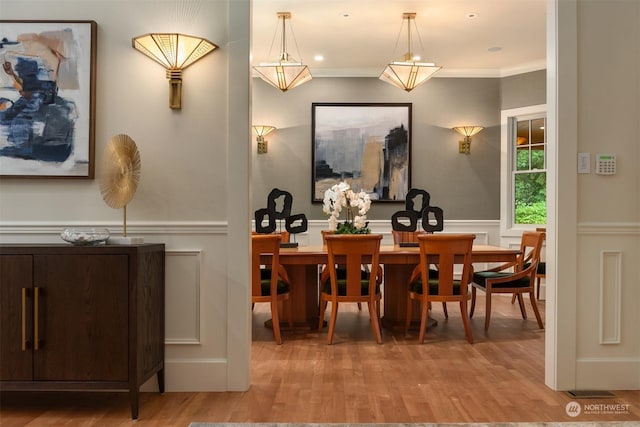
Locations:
(495, 49)
(471, 15)
(318, 58)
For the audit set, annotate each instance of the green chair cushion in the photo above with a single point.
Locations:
(342, 274)
(342, 285)
(481, 277)
(542, 267)
(265, 287)
(433, 286)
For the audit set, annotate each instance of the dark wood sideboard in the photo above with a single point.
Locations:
(82, 317)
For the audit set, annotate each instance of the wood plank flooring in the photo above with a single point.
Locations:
(500, 378)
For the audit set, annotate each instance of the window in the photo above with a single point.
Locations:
(528, 148)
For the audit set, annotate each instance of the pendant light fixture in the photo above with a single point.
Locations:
(407, 73)
(285, 73)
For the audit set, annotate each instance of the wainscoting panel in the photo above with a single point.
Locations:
(182, 291)
(610, 296)
(608, 306)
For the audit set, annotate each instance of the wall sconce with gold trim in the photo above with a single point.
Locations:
(174, 52)
(262, 131)
(464, 146)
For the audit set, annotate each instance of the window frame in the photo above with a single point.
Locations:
(508, 126)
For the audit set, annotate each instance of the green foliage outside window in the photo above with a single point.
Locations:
(530, 188)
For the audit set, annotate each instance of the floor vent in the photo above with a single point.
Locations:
(590, 394)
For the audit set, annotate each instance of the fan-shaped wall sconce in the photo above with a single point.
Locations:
(174, 52)
(262, 131)
(464, 146)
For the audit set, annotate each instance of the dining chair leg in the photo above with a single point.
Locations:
(423, 321)
(323, 308)
(487, 314)
(538, 289)
(444, 308)
(359, 306)
(332, 321)
(534, 304)
(465, 321)
(275, 322)
(375, 326)
(521, 303)
(513, 298)
(407, 322)
(473, 301)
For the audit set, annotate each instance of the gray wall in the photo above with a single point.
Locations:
(466, 187)
(523, 90)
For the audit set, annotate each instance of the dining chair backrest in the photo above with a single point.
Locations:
(451, 250)
(352, 251)
(325, 233)
(530, 248)
(285, 235)
(406, 236)
(544, 237)
(264, 244)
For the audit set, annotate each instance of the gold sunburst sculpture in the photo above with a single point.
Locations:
(120, 173)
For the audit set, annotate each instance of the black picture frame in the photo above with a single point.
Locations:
(368, 145)
(47, 91)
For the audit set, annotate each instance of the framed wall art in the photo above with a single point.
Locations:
(47, 99)
(366, 145)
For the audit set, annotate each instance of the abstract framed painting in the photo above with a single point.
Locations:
(368, 145)
(47, 99)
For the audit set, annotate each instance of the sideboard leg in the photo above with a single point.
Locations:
(135, 402)
(160, 376)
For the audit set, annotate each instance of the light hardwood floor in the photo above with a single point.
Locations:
(500, 378)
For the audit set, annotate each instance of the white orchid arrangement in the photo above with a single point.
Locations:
(356, 206)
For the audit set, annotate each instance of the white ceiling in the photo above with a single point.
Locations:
(358, 37)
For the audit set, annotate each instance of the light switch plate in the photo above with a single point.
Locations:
(584, 162)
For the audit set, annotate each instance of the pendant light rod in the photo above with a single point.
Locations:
(284, 56)
(409, 17)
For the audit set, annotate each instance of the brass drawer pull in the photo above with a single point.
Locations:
(36, 310)
(24, 320)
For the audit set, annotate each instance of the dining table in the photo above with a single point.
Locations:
(303, 265)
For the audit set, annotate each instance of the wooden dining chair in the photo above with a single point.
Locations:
(520, 278)
(352, 251)
(276, 287)
(265, 270)
(448, 251)
(341, 270)
(409, 237)
(541, 271)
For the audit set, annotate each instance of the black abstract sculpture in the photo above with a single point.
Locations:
(268, 219)
(407, 220)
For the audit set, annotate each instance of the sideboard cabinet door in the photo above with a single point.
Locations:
(16, 280)
(83, 319)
